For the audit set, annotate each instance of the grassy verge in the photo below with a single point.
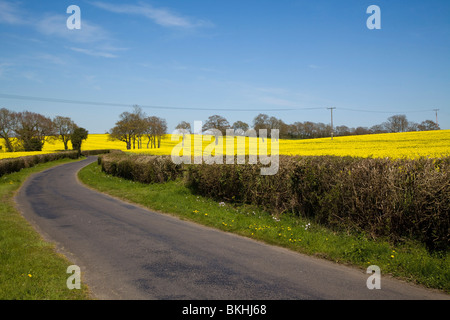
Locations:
(30, 268)
(409, 261)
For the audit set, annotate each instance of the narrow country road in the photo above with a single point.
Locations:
(127, 252)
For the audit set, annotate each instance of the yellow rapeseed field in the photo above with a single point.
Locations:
(392, 145)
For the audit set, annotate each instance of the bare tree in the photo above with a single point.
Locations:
(161, 130)
(155, 129)
(184, 128)
(397, 123)
(33, 130)
(64, 127)
(428, 125)
(240, 128)
(342, 131)
(216, 124)
(378, 128)
(124, 129)
(130, 128)
(8, 121)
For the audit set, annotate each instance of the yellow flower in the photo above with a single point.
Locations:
(206, 214)
(29, 275)
(195, 211)
(392, 256)
(393, 145)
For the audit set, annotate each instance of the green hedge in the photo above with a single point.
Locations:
(16, 164)
(98, 152)
(398, 200)
(141, 168)
(10, 165)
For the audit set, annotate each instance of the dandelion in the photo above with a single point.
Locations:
(206, 214)
(195, 211)
(392, 256)
(29, 275)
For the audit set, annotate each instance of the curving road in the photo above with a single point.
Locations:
(127, 252)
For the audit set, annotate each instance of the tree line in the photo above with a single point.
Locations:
(134, 127)
(29, 131)
(308, 129)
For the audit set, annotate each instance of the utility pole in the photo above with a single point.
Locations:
(332, 129)
(436, 110)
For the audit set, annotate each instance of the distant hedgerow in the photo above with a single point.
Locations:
(141, 168)
(16, 164)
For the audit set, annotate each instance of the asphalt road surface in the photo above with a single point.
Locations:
(127, 252)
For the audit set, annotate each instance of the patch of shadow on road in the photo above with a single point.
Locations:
(43, 212)
(169, 269)
(128, 206)
(213, 277)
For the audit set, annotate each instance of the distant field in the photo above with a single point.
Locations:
(393, 145)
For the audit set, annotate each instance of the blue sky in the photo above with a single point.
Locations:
(242, 57)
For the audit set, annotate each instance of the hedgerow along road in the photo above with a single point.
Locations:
(127, 252)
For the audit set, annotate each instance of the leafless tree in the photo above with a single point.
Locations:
(33, 130)
(64, 127)
(8, 122)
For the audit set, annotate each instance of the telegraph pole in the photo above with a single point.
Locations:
(332, 129)
(436, 110)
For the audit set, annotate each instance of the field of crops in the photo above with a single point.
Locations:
(393, 145)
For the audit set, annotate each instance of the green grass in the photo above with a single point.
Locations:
(409, 261)
(30, 268)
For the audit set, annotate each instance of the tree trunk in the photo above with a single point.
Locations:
(8, 144)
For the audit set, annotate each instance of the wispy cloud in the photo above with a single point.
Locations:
(32, 76)
(55, 25)
(96, 37)
(161, 16)
(4, 66)
(314, 66)
(50, 58)
(10, 13)
(93, 53)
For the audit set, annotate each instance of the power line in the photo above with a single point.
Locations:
(110, 104)
(390, 112)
